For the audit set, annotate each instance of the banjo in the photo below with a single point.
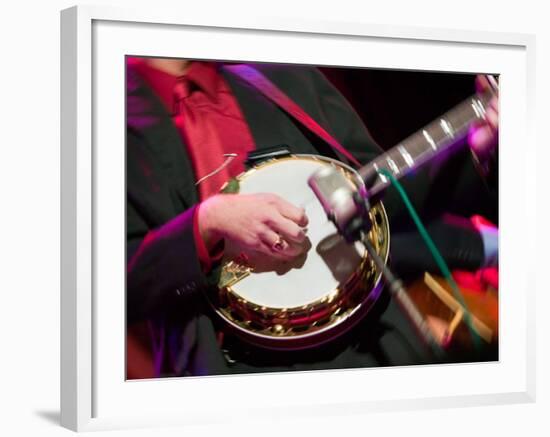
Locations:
(310, 300)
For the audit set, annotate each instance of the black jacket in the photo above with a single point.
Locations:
(160, 178)
(163, 269)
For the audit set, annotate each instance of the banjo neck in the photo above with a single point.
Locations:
(436, 138)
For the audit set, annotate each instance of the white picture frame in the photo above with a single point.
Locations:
(90, 400)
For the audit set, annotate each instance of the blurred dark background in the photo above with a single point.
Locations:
(396, 103)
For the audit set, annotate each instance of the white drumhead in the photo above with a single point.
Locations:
(329, 262)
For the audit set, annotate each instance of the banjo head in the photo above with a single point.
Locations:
(315, 297)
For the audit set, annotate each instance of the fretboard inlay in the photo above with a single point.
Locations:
(440, 135)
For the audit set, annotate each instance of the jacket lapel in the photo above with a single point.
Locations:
(269, 125)
(147, 117)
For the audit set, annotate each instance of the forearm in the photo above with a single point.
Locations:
(164, 269)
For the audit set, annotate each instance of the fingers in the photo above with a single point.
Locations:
(266, 224)
(483, 82)
(491, 115)
(291, 212)
(272, 244)
(288, 229)
(482, 136)
(275, 245)
(289, 222)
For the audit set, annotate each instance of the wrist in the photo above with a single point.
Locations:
(208, 223)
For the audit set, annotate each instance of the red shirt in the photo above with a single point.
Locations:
(218, 128)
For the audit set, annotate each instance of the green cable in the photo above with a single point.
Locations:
(435, 253)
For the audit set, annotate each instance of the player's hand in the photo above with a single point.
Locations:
(263, 223)
(483, 135)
